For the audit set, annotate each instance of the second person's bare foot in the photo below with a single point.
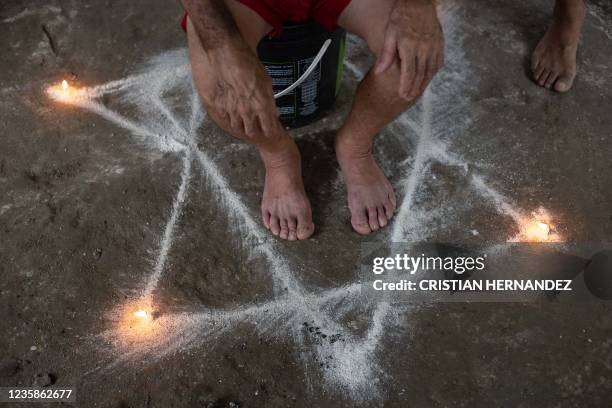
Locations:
(371, 199)
(285, 207)
(554, 59)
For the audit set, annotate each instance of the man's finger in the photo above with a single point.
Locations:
(266, 111)
(419, 76)
(230, 109)
(440, 59)
(265, 114)
(266, 123)
(408, 71)
(236, 122)
(429, 73)
(221, 112)
(388, 54)
(248, 119)
(249, 122)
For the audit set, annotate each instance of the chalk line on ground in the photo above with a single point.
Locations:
(355, 358)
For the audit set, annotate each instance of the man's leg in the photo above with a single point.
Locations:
(371, 199)
(554, 59)
(285, 207)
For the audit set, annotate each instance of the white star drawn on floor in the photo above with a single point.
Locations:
(354, 356)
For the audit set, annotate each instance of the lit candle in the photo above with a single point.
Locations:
(537, 231)
(141, 313)
(64, 92)
(538, 228)
(138, 323)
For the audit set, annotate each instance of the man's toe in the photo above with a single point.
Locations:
(373, 218)
(389, 209)
(265, 214)
(538, 73)
(284, 232)
(393, 201)
(535, 63)
(543, 77)
(360, 223)
(564, 83)
(305, 228)
(292, 224)
(551, 80)
(382, 217)
(275, 225)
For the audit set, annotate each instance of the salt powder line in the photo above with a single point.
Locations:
(501, 203)
(164, 143)
(124, 83)
(168, 238)
(280, 276)
(419, 167)
(400, 226)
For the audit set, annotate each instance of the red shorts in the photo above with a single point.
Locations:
(277, 12)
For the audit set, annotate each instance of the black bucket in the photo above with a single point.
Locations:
(288, 56)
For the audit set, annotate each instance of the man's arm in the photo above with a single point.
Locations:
(244, 89)
(214, 24)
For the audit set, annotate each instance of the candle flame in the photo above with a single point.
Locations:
(138, 321)
(64, 92)
(537, 231)
(141, 313)
(140, 325)
(537, 228)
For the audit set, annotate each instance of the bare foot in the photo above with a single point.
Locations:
(554, 59)
(370, 195)
(285, 207)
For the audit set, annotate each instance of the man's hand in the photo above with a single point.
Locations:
(414, 36)
(243, 95)
(243, 90)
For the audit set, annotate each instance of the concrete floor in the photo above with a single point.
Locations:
(93, 210)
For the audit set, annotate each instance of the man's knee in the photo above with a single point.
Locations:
(211, 90)
(231, 123)
(359, 19)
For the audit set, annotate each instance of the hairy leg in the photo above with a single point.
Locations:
(554, 59)
(371, 199)
(285, 208)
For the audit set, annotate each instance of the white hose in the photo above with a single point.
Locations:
(306, 74)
